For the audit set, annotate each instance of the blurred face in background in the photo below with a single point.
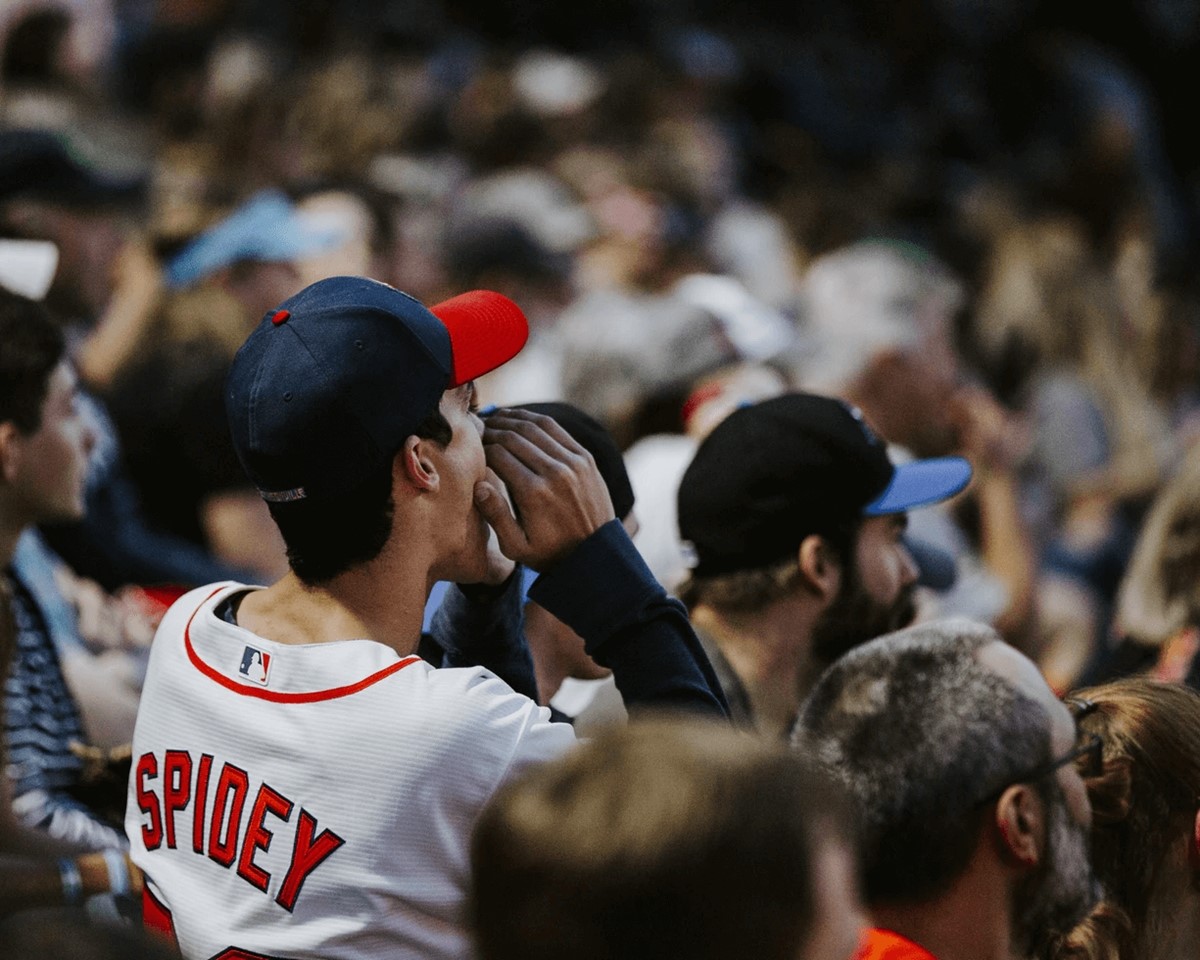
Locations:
(88, 241)
(348, 216)
(45, 471)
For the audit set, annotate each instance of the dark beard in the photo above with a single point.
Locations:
(854, 617)
(1048, 905)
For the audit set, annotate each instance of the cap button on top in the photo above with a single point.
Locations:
(279, 317)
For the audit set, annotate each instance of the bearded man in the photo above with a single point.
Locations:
(794, 518)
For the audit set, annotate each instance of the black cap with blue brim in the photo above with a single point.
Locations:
(776, 472)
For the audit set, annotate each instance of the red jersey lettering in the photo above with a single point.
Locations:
(258, 837)
(177, 788)
(147, 769)
(202, 772)
(307, 855)
(231, 792)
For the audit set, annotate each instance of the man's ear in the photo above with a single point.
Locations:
(11, 450)
(418, 467)
(819, 566)
(1020, 819)
(1194, 845)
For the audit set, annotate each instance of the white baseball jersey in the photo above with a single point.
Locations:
(314, 800)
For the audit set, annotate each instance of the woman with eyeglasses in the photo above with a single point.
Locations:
(1145, 825)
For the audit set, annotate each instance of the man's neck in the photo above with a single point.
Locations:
(769, 651)
(379, 600)
(971, 921)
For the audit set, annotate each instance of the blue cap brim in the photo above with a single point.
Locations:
(265, 228)
(920, 483)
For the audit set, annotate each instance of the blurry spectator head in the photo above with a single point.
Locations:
(52, 52)
(253, 252)
(335, 117)
(960, 758)
(34, 48)
(557, 649)
(727, 846)
(881, 321)
(44, 437)
(1160, 594)
(1145, 839)
(50, 190)
(793, 503)
(622, 353)
(503, 254)
(1051, 309)
(361, 217)
(537, 200)
(554, 84)
(1043, 296)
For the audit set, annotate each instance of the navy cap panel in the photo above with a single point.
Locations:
(360, 296)
(330, 384)
(289, 401)
(384, 369)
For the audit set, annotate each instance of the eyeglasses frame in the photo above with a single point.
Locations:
(1092, 748)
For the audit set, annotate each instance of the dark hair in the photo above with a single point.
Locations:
(31, 346)
(32, 47)
(324, 540)
(919, 731)
(654, 840)
(749, 590)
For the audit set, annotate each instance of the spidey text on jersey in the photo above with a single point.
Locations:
(228, 824)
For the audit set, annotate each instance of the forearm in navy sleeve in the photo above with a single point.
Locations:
(604, 591)
(485, 627)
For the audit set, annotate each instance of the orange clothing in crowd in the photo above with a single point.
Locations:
(885, 945)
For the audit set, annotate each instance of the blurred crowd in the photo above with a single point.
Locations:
(978, 223)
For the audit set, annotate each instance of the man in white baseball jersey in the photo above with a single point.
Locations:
(303, 785)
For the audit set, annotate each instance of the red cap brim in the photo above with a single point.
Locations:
(486, 330)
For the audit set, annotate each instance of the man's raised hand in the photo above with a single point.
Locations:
(558, 494)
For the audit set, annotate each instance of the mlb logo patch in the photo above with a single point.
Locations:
(255, 665)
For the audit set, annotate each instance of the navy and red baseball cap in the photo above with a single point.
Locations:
(776, 472)
(330, 384)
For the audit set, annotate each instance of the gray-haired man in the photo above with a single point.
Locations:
(974, 818)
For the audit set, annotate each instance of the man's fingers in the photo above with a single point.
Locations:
(536, 458)
(510, 470)
(509, 535)
(523, 484)
(544, 431)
